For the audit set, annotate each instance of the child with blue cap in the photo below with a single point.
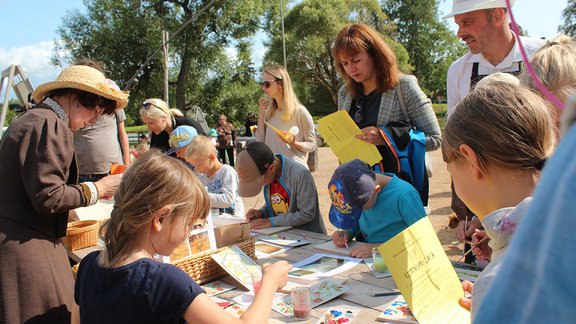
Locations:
(376, 205)
(179, 139)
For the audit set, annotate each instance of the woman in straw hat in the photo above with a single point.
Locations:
(161, 121)
(39, 175)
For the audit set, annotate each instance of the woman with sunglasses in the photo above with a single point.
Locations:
(161, 121)
(369, 68)
(279, 112)
(39, 174)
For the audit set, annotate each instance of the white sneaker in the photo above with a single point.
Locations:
(428, 210)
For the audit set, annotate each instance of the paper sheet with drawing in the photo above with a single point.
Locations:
(338, 129)
(424, 274)
(237, 264)
(322, 265)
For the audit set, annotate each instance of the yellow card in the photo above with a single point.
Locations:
(279, 132)
(338, 129)
(424, 275)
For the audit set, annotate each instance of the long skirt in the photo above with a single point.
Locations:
(36, 282)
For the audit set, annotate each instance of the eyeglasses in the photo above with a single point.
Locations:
(359, 114)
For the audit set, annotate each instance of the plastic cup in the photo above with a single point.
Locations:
(301, 302)
(256, 280)
(379, 264)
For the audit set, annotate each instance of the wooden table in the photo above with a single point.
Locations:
(359, 279)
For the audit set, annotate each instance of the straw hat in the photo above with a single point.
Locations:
(83, 78)
(463, 6)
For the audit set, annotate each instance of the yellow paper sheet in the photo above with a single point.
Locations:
(424, 275)
(338, 130)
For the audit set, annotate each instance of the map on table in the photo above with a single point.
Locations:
(237, 264)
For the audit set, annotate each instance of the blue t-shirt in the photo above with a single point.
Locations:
(144, 291)
(397, 207)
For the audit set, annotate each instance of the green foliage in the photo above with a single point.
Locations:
(431, 45)
(310, 29)
(123, 34)
(568, 26)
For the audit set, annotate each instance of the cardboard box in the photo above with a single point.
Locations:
(230, 231)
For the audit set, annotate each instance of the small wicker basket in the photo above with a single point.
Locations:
(81, 234)
(202, 268)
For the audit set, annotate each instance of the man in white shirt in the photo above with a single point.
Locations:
(483, 25)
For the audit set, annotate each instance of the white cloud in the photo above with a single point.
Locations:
(33, 59)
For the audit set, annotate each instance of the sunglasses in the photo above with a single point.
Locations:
(148, 105)
(267, 84)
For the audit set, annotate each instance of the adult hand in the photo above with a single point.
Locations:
(340, 238)
(480, 247)
(277, 272)
(362, 251)
(465, 229)
(371, 135)
(263, 104)
(260, 223)
(108, 185)
(253, 214)
(466, 301)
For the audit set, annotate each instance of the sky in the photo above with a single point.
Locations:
(28, 30)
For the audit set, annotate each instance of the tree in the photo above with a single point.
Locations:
(431, 46)
(310, 29)
(124, 33)
(569, 15)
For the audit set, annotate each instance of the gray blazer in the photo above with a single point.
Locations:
(417, 103)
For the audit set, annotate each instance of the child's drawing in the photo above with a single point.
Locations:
(237, 264)
(216, 287)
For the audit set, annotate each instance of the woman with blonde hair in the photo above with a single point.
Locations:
(284, 124)
(161, 121)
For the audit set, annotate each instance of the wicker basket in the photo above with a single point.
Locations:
(202, 268)
(81, 234)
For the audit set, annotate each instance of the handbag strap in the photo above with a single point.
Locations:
(402, 105)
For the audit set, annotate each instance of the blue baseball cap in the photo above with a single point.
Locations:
(350, 188)
(180, 137)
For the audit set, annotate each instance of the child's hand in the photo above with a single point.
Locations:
(340, 238)
(253, 214)
(479, 244)
(466, 301)
(278, 272)
(260, 223)
(362, 251)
